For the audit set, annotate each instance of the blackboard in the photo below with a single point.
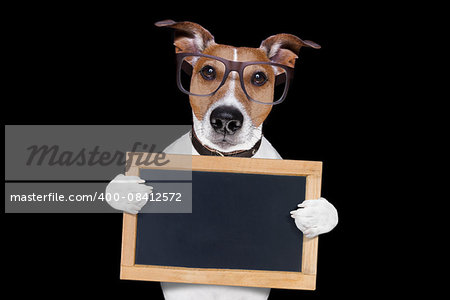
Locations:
(238, 221)
(239, 232)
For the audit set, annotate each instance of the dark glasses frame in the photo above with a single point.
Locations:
(236, 66)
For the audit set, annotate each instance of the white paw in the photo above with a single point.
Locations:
(314, 217)
(128, 193)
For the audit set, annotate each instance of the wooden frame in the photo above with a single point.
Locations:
(255, 278)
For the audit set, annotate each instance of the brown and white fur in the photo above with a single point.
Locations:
(281, 48)
(313, 218)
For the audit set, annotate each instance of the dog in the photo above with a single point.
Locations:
(231, 92)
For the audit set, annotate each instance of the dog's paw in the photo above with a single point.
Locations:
(128, 193)
(314, 217)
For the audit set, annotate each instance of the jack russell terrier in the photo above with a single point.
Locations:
(231, 92)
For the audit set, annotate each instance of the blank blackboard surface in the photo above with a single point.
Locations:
(239, 232)
(238, 221)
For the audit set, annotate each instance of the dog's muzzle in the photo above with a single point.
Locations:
(226, 120)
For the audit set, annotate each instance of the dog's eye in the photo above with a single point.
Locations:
(259, 78)
(208, 72)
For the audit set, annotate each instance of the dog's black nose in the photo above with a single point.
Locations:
(226, 119)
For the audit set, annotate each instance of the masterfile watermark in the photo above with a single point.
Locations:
(83, 152)
(66, 168)
(53, 155)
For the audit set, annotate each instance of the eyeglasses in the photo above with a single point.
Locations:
(203, 75)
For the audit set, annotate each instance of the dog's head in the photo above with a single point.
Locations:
(231, 96)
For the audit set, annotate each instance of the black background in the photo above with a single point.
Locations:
(108, 64)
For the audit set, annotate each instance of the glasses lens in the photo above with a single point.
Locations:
(265, 83)
(201, 75)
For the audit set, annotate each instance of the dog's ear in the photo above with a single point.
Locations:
(283, 48)
(189, 36)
